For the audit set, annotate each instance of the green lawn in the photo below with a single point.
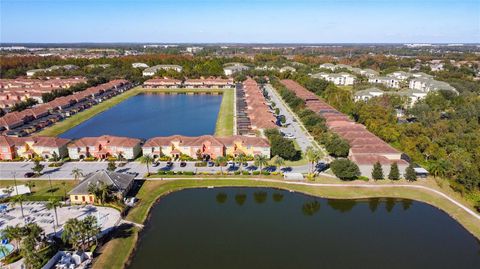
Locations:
(224, 125)
(42, 187)
(116, 252)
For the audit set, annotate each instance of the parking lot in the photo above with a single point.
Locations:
(291, 125)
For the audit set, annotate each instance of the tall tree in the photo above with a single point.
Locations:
(53, 204)
(146, 159)
(241, 158)
(410, 174)
(19, 199)
(37, 167)
(260, 161)
(220, 161)
(377, 172)
(111, 166)
(394, 172)
(77, 173)
(278, 162)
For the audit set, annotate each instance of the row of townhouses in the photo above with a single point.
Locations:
(366, 149)
(151, 71)
(105, 146)
(218, 83)
(45, 114)
(13, 91)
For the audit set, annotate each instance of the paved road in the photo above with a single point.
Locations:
(7, 169)
(293, 126)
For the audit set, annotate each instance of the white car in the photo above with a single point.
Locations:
(289, 136)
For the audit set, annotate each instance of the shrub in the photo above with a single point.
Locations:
(165, 158)
(265, 173)
(236, 173)
(245, 173)
(256, 173)
(161, 172)
(170, 172)
(363, 178)
(345, 169)
(189, 173)
(179, 173)
(90, 159)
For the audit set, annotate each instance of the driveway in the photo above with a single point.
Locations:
(303, 139)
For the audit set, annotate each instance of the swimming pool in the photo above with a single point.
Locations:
(5, 250)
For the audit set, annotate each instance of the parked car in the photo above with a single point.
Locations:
(289, 136)
(210, 164)
(155, 164)
(321, 166)
(183, 164)
(169, 164)
(29, 174)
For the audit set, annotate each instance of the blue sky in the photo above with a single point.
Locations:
(240, 21)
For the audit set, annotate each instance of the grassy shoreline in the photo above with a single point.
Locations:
(152, 191)
(67, 124)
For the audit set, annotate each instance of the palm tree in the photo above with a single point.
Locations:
(102, 191)
(220, 161)
(19, 199)
(53, 204)
(241, 158)
(64, 185)
(312, 156)
(260, 161)
(30, 184)
(72, 233)
(13, 233)
(278, 161)
(77, 173)
(147, 160)
(91, 228)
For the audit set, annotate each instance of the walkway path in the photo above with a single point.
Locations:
(343, 185)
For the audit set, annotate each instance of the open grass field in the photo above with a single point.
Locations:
(42, 188)
(224, 126)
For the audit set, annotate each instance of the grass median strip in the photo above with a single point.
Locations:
(224, 126)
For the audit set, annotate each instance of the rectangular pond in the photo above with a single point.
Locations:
(149, 115)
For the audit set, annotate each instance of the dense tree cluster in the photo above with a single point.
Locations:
(280, 146)
(444, 136)
(345, 169)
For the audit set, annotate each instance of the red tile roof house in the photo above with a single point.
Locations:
(217, 83)
(103, 147)
(162, 83)
(29, 147)
(365, 148)
(205, 146)
(7, 147)
(11, 120)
